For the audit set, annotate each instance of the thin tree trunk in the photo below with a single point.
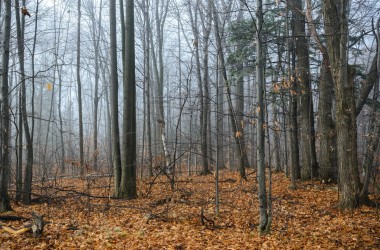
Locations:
(148, 87)
(19, 151)
(202, 109)
(243, 159)
(264, 225)
(79, 84)
(114, 98)
(96, 41)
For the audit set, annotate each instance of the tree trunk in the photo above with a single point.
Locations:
(264, 225)
(206, 152)
(27, 189)
(96, 42)
(128, 174)
(336, 26)
(202, 115)
(5, 116)
(308, 166)
(19, 151)
(220, 157)
(114, 100)
(240, 102)
(79, 84)
(327, 135)
(276, 136)
(294, 146)
(241, 151)
(148, 85)
(374, 130)
(159, 76)
(328, 170)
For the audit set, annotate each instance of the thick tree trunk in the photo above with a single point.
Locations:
(304, 94)
(336, 26)
(5, 116)
(374, 131)
(295, 172)
(128, 174)
(27, 188)
(328, 170)
(206, 152)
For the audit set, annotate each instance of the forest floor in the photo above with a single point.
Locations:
(80, 215)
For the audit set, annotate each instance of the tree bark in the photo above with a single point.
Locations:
(5, 116)
(336, 26)
(264, 226)
(128, 174)
(79, 85)
(158, 65)
(306, 121)
(114, 100)
(27, 189)
(374, 130)
(206, 152)
(148, 85)
(327, 134)
(328, 170)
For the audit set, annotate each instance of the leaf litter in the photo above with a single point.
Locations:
(81, 214)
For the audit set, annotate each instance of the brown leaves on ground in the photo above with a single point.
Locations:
(79, 214)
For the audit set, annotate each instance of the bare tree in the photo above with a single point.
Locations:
(241, 151)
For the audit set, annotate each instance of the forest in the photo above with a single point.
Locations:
(189, 124)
